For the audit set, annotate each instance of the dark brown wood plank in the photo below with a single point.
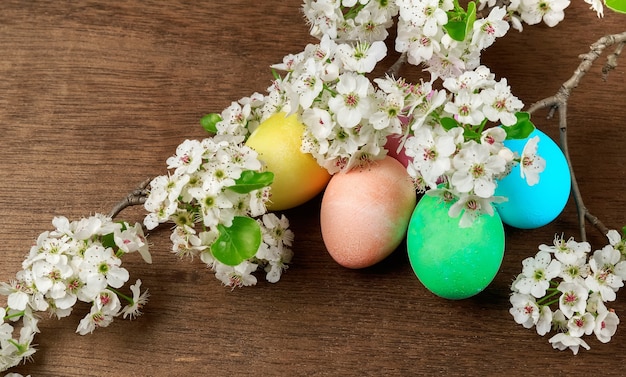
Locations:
(94, 96)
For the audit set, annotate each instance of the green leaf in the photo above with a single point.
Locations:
(238, 242)
(209, 122)
(616, 5)
(251, 180)
(460, 23)
(471, 17)
(448, 123)
(456, 30)
(470, 134)
(352, 12)
(108, 240)
(521, 129)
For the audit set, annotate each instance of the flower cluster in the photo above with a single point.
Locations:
(444, 132)
(216, 196)
(350, 20)
(430, 32)
(563, 288)
(424, 36)
(426, 24)
(453, 154)
(347, 118)
(349, 121)
(533, 12)
(78, 261)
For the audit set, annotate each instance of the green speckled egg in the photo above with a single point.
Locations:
(453, 262)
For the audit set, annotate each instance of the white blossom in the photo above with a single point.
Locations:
(500, 104)
(525, 310)
(602, 279)
(536, 274)
(475, 170)
(431, 153)
(564, 341)
(550, 11)
(352, 102)
(605, 325)
(531, 164)
(486, 30)
(581, 324)
(236, 276)
(361, 57)
(573, 298)
(567, 251)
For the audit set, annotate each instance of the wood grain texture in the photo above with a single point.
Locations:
(95, 95)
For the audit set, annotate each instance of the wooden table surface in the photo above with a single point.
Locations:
(95, 95)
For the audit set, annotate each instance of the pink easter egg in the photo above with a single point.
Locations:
(393, 142)
(365, 213)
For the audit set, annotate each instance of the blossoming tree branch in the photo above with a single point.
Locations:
(459, 138)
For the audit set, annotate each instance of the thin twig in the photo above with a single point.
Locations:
(596, 222)
(137, 197)
(578, 199)
(611, 60)
(559, 102)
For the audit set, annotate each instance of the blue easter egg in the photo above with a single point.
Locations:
(530, 207)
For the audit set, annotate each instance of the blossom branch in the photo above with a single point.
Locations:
(136, 197)
(559, 102)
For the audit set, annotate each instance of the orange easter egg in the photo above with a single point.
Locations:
(365, 213)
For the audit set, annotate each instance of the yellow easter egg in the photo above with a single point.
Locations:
(297, 176)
